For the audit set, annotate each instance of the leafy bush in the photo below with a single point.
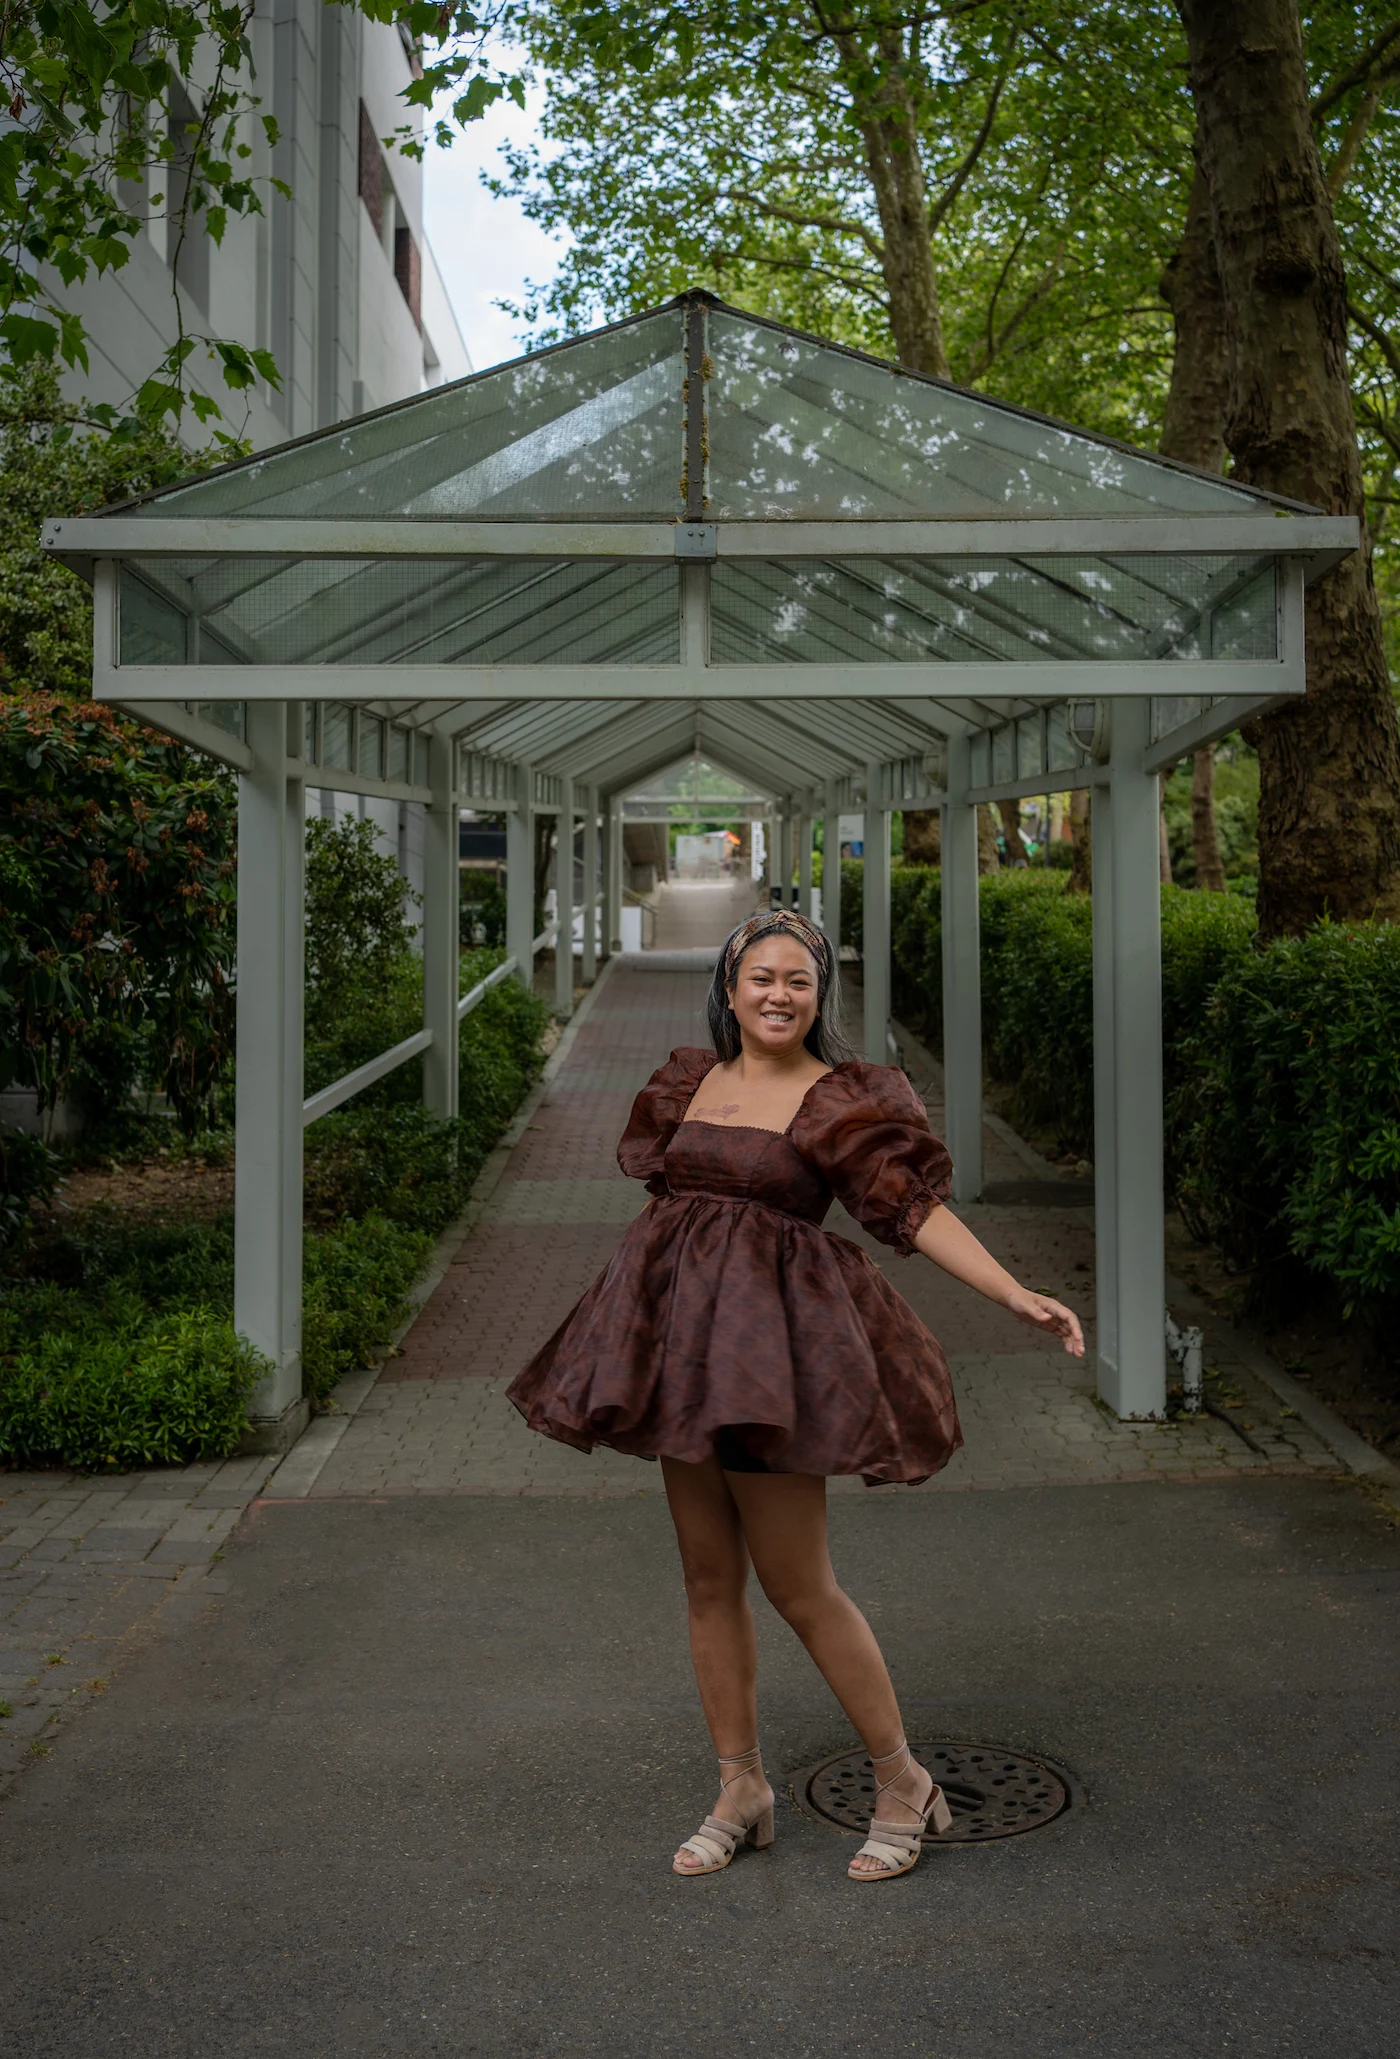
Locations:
(1286, 1121)
(358, 927)
(485, 903)
(356, 1281)
(1038, 982)
(103, 1397)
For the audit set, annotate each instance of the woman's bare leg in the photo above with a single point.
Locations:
(715, 1562)
(783, 1521)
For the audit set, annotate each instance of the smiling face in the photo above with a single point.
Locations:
(774, 994)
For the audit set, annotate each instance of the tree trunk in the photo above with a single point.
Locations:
(1329, 805)
(1164, 849)
(1193, 430)
(1010, 813)
(1081, 872)
(1193, 421)
(879, 84)
(988, 857)
(1210, 867)
(923, 836)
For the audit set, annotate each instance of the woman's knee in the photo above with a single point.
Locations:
(714, 1583)
(802, 1595)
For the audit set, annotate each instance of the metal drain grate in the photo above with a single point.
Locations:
(992, 1793)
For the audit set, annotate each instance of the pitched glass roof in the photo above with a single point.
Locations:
(595, 429)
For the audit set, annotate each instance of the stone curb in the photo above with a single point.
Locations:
(299, 1471)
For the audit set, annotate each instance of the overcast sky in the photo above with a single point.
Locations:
(485, 248)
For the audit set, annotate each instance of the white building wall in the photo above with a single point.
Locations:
(308, 279)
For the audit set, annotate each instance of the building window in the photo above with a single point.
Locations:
(408, 270)
(372, 175)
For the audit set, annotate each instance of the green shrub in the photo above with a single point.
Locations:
(356, 1279)
(1286, 1122)
(105, 1397)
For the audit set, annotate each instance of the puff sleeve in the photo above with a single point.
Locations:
(656, 1112)
(865, 1130)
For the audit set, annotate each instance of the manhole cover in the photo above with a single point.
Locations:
(992, 1793)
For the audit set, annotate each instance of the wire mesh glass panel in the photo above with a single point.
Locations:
(1004, 753)
(335, 736)
(226, 715)
(371, 746)
(423, 611)
(1061, 752)
(397, 761)
(593, 428)
(155, 630)
(799, 428)
(1245, 624)
(985, 610)
(1030, 755)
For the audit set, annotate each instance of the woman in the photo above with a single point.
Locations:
(754, 1353)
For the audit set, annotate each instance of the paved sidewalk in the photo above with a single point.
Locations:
(85, 1567)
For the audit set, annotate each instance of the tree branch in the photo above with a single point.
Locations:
(1357, 73)
(939, 212)
(836, 224)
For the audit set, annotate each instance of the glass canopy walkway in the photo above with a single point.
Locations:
(851, 587)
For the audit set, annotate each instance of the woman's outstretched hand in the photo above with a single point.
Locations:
(1044, 1314)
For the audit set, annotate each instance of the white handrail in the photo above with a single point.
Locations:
(363, 1076)
(483, 987)
(545, 938)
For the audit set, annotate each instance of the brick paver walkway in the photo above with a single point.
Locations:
(437, 1420)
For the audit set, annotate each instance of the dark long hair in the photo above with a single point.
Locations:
(825, 1039)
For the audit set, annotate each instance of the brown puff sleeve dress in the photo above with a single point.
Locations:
(727, 1317)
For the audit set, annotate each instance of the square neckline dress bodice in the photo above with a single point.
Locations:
(728, 1313)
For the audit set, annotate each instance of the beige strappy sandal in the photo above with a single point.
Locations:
(716, 1841)
(897, 1845)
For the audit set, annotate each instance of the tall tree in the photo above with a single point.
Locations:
(1330, 763)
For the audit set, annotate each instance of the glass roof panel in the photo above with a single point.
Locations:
(986, 610)
(797, 428)
(593, 429)
(397, 611)
(692, 786)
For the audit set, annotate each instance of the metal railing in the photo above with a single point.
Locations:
(319, 1104)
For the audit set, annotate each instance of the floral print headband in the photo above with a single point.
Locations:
(787, 922)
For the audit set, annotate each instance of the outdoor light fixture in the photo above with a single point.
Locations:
(1090, 724)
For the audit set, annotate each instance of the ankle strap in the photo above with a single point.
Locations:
(883, 1758)
(745, 1761)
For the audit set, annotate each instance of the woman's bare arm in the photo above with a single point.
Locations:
(951, 1245)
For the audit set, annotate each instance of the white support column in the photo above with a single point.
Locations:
(875, 948)
(564, 901)
(780, 871)
(831, 870)
(613, 902)
(962, 978)
(268, 1157)
(441, 946)
(1129, 1212)
(804, 857)
(520, 879)
(590, 886)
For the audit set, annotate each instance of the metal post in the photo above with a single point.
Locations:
(804, 857)
(268, 1096)
(615, 873)
(1132, 1355)
(564, 902)
(780, 871)
(831, 870)
(590, 886)
(520, 878)
(962, 977)
(441, 943)
(875, 949)
(607, 873)
(1105, 1096)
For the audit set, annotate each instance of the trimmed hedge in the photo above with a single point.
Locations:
(1281, 1064)
(1286, 1124)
